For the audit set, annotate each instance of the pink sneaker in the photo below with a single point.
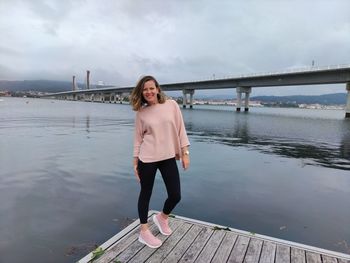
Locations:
(162, 224)
(147, 238)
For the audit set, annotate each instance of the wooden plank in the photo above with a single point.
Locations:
(312, 257)
(268, 252)
(113, 240)
(131, 251)
(234, 245)
(239, 250)
(225, 248)
(169, 243)
(183, 245)
(119, 247)
(193, 251)
(146, 251)
(297, 255)
(282, 254)
(253, 252)
(271, 239)
(328, 259)
(212, 245)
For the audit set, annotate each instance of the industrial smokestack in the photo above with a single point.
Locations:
(74, 84)
(88, 79)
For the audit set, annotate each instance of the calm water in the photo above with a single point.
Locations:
(67, 183)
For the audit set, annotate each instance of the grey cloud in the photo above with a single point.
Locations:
(7, 51)
(52, 12)
(7, 74)
(174, 40)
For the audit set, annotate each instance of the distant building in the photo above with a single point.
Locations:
(5, 93)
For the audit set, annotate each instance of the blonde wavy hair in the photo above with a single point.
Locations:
(137, 100)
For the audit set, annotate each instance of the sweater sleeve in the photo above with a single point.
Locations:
(138, 135)
(181, 127)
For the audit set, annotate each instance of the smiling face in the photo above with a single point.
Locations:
(149, 92)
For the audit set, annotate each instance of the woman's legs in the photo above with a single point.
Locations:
(147, 173)
(171, 178)
(170, 174)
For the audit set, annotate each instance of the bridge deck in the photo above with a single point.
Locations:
(196, 241)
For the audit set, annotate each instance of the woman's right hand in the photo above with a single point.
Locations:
(136, 172)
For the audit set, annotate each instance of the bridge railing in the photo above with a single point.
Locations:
(271, 73)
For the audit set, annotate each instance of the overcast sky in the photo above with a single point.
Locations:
(178, 40)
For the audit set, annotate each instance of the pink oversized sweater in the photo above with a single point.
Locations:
(159, 132)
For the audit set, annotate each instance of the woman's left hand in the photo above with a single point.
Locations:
(185, 161)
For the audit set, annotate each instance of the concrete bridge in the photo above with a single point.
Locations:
(242, 84)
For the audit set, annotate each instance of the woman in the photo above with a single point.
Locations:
(160, 139)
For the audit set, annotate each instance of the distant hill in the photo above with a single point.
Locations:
(326, 99)
(37, 85)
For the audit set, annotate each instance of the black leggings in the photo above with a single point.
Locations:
(147, 173)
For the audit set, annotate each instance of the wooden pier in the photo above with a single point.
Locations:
(197, 241)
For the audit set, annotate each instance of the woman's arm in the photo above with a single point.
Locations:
(184, 142)
(138, 137)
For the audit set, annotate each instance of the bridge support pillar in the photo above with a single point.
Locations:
(247, 91)
(184, 98)
(191, 98)
(119, 98)
(347, 108)
(239, 101)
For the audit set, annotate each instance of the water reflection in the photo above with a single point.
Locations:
(345, 144)
(312, 140)
(88, 123)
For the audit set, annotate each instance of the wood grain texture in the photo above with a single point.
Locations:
(312, 257)
(183, 245)
(297, 255)
(146, 252)
(282, 254)
(210, 248)
(161, 253)
(225, 248)
(268, 252)
(193, 251)
(239, 250)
